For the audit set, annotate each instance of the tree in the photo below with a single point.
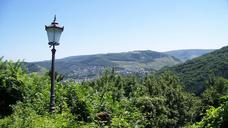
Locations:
(217, 87)
(166, 103)
(215, 117)
(10, 85)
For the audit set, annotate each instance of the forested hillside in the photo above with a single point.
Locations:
(112, 100)
(92, 66)
(196, 73)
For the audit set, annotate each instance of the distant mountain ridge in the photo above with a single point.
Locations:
(91, 66)
(188, 54)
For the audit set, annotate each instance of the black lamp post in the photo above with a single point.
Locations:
(54, 32)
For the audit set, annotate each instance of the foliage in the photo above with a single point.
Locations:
(26, 117)
(215, 117)
(10, 85)
(167, 104)
(112, 100)
(217, 87)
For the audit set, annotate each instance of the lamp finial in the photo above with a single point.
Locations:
(54, 18)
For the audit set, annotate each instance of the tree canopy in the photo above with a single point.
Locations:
(112, 100)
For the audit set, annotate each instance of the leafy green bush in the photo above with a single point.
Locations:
(26, 117)
(215, 117)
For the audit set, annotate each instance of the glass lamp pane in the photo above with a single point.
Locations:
(57, 34)
(54, 34)
(50, 34)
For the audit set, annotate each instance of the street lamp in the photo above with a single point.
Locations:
(54, 32)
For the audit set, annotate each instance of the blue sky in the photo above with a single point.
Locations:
(104, 26)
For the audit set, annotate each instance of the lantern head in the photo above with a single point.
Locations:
(54, 32)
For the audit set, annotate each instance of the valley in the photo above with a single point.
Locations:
(87, 67)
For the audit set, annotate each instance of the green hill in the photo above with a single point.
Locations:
(90, 66)
(196, 72)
